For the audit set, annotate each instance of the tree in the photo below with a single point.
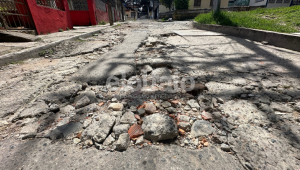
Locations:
(167, 3)
(181, 4)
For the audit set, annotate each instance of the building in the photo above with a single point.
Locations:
(206, 4)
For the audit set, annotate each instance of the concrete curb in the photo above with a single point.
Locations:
(34, 51)
(288, 41)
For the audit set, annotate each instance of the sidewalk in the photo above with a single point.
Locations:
(16, 51)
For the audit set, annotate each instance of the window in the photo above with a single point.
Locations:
(286, 1)
(256, 1)
(278, 1)
(197, 2)
(132, 14)
(271, 1)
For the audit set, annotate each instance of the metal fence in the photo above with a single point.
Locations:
(14, 14)
(101, 5)
(78, 5)
(56, 4)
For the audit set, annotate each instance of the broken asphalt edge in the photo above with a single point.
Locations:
(283, 40)
(34, 51)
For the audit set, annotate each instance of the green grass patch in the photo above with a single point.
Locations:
(102, 23)
(283, 19)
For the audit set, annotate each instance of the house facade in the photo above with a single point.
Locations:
(206, 4)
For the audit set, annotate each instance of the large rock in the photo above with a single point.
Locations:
(161, 74)
(128, 118)
(281, 107)
(123, 142)
(158, 127)
(201, 128)
(99, 130)
(62, 94)
(36, 109)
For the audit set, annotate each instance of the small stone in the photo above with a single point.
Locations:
(54, 108)
(220, 100)
(119, 129)
(114, 99)
(281, 107)
(196, 142)
(123, 142)
(76, 140)
(194, 109)
(84, 101)
(139, 140)
(116, 106)
(88, 142)
(201, 128)
(166, 104)
(109, 140)
(193, 104)
(87, 123)
(184, 118)
(150, 108)
(116, 113)
(225, 147)
(206, 115)
(187, 108)
(141, 112)
(205, 144)
(171, 110)
(147, 69)
(185, 126)
(128, 118)
(181, 131)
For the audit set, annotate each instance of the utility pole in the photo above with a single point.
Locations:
(216, 6)
(122, 10)
(111, 21)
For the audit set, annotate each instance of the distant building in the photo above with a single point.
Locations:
(206, 4)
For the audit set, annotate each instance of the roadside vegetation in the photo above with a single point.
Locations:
(283, 19)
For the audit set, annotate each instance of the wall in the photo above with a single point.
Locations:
(253, 3)
(205, 4)
(102, 15)
(163, 9)
(129, 15)
(48, 20)
(80, 18)
(275, 5)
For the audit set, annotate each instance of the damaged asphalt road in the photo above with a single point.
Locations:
(242, 112)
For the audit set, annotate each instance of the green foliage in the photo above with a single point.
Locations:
(102, 22)
(181, 4)
(68, 28)
(283, 19)
(166, 3)
(61, 30)
(43, 53)
(163, 19)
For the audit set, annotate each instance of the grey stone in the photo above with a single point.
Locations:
(67, 110)
(109, 140)
(84, 101)
(90, 94)
(29, 131)
(150, 108)
(128, 118)
(281, 107)
(76, 140)
(54, 108)
(139, 140)
(141, 112)
(166, 104)
(62, 94)
(186, 126)
(116, 106)
(187, 108)
(65, 130)
(99, 130)
(158, 127)
(36, 109)
(159, 73)
(184, 118)
(123, 142)
(147, 69)
(297, 106)
(87, 123)
(88, 109)
(171, 110)
(225, 147)
(116, 113)
(119, 129)
(201, 128)
(193, 104)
